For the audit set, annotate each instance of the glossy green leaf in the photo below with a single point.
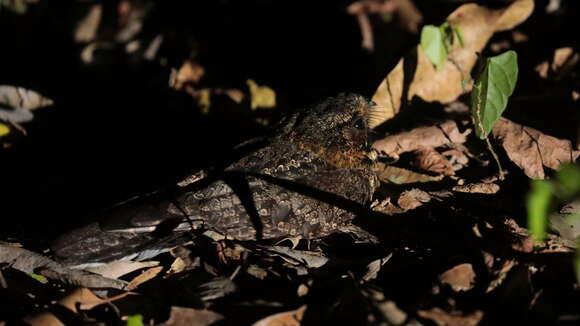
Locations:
(433, 44)
(135, 320)
(492, 89)
(538, 205)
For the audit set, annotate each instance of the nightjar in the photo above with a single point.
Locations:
(301, 181)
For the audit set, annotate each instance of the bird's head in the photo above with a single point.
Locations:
(336, 129)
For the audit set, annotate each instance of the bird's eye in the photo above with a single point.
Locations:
(359, 124)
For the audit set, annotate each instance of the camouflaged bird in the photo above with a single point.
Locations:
(277, 190)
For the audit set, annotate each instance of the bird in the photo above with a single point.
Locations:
(306, 179)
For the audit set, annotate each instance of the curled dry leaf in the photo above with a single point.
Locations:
(477, 188)
(459, 278)
(531, 150)
(428, 159)
(477, 24)
(444, 318)
(287, 318)
(393, 174)
(411, 199)
(408, 200)
(431, 136)
(144, 277)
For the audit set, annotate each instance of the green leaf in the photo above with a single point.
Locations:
(433, 44)
(38, 277)
(135, 320)
(491, 91)
(459, 35)
(569, 178)
(447, 34)
(538, 204)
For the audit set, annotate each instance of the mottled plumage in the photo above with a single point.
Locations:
(274, 191)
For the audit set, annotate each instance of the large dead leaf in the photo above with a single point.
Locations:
(431, 136)
(459, 278)
(288, 318)
(531, 150)
(415, 75)
(443, 318)
(81, 298)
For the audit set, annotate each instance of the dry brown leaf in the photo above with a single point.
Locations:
(287, 318)
(190, 72)
(432, 136)
(444, 318)
(477, 188)
(79, 297)
(531, 150)
(477, 25)
(459, 278)
(564, 60)
(411, 199)
(393, 174)
(190, 316)
(144, 277)
(428, 159)
(119, 268)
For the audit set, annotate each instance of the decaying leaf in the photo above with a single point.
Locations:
(82, 298)
(393, 174)
(431, 136)
(190, 316)
(459, 278)
(443, 318)
(477, 188)
(288, 318)
(144, 277)
(408, 200)
(428, 159)
(119, 268)
(532, 150)
(477, 25)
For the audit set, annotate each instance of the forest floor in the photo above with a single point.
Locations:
(102, 101)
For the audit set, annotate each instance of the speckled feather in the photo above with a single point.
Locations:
(324, 149)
